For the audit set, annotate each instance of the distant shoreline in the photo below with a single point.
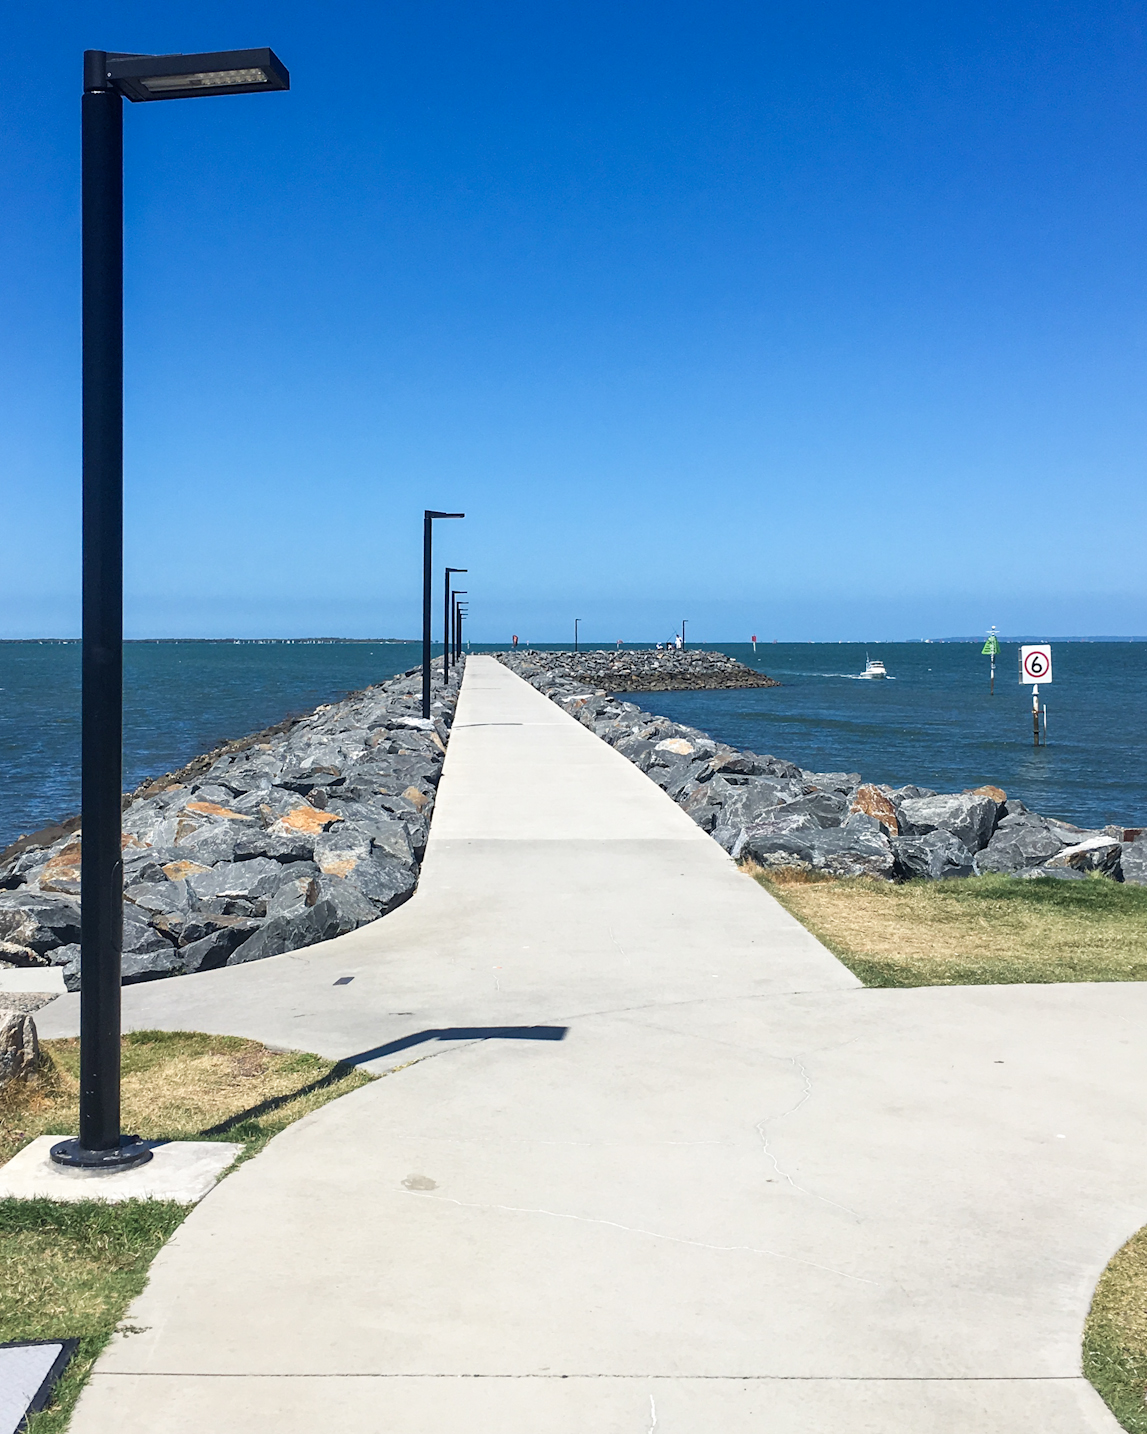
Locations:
(559, 644)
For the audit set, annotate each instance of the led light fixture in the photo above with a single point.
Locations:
(175, 77)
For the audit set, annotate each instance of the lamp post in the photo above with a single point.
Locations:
(682, 634)
(463, 614)
(576, 621)
(454, 595)
(428, 517)
(446, 621)
(107, 78)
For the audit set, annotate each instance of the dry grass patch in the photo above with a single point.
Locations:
(1115, 1337)
(70, 1270)
(985, 930)
(179, 1085)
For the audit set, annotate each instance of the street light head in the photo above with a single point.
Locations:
(177, 77)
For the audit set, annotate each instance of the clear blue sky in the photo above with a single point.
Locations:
(811, 321)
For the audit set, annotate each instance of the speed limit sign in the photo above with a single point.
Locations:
(1035, 663)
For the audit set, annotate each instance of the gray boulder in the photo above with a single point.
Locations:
(1096, 854)
(140, 937)
(844, 782)
(159, 897)
(1134, 862)
(338, 907)
(937, 856)
(69, 958)
(284, 845)
(214, 842)
(39, 922)
(385, 882)
(247, 879)
(969, 817)
(781, 823)
(1020, 842)
(827, 808)
(19, 1047)
(211, 951)
(834, 851)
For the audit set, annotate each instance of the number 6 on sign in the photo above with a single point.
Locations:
(1035, 663)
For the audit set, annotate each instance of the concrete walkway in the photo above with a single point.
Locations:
(649, 1159)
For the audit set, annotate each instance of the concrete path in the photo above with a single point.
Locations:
(649, 1158)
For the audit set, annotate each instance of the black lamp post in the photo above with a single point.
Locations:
(463, 614)
(682, 634)
(428, 517)
(576, 621)
(107, 78)
(446, 621)
(455, 593)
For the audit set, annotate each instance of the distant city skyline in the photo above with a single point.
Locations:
(808, 323)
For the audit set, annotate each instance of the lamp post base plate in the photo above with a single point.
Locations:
(130, 1152)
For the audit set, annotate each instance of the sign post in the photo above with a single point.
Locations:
(1035, 667)
(991, 649)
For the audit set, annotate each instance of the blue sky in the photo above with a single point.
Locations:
(816, 322)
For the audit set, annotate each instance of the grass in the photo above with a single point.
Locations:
(1115, 1336)
(984, 930)
(71, 1270)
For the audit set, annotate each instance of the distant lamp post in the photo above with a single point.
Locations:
(455, 593)
(107, 78)
(446, 624)
(576, 621)
(682, 634)
(428, 518)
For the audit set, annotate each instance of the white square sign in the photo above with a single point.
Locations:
(1035, 662)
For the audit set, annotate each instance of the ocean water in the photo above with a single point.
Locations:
(180, 699)
(933, 722)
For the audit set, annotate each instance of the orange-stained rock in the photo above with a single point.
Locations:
(62, 873)
(417, 798)
(338, 866)
(129, 840)
(873, 803)
(213, 809)
(308, 819)
(997, 794)
(177, 870)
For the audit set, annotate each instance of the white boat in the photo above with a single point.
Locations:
(873, 667)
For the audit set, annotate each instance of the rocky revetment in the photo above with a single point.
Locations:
(268, 844)
(646, 670)
(778, 814)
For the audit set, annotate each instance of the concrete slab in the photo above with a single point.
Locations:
(48, 979)
(738, 1192)
(27, 1373)
(180, 1170)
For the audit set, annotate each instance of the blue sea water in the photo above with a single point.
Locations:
(180, 699)
(933, 722)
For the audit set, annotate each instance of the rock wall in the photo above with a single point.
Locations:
(287, 837)
(778, 814)
(649, 670)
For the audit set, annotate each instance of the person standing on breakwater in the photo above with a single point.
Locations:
(514, 639)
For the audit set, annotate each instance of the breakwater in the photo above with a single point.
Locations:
(289, 836)
(649, 670)
(773, 812)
